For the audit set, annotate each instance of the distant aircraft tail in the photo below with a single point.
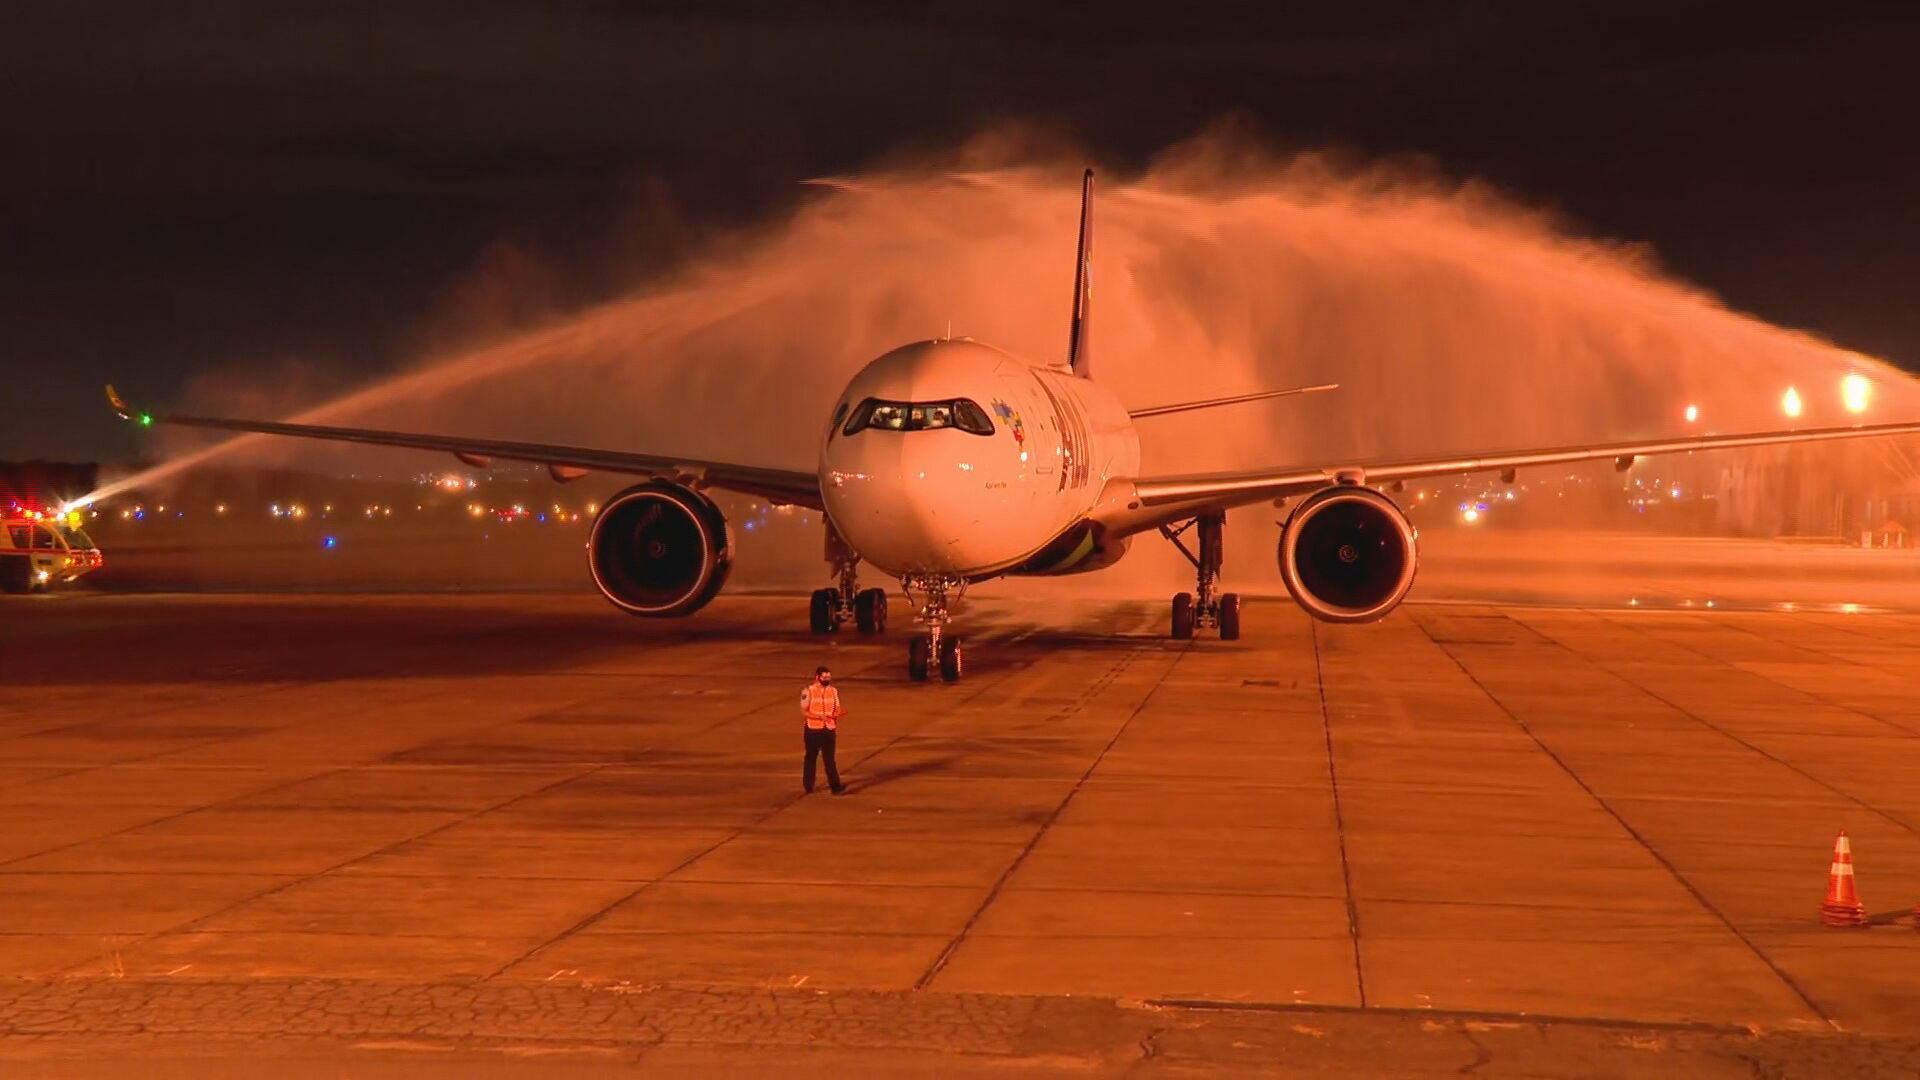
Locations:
(1078, 352)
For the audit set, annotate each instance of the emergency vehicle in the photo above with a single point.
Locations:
(39, 549)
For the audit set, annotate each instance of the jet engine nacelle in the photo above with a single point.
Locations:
(1348, 554)
(660, 549)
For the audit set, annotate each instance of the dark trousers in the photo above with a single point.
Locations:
(820, 745)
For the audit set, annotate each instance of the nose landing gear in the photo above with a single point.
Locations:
(1203, 607)
(926, 650)
(920, 658)
(831, 607)
(870, 611)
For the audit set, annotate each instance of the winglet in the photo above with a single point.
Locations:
(1078, 357)
(125, 410)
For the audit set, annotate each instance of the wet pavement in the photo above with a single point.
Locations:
(375, 827)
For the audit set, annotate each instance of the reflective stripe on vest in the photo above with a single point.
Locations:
(821, 706)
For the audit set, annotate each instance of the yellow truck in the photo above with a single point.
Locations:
(40, 550)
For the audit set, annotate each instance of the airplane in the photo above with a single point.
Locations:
(949, 462)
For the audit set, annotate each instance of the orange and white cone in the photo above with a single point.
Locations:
(1842, 907)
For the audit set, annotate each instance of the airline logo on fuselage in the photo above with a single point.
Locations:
(1012, 416)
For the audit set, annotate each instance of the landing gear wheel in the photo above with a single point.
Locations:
(1182, 616)
(1230, 616)
(822, 615)
(870, 611)
(919, 657)
(950, 656)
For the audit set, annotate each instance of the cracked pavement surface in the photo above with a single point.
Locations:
(299, 1027)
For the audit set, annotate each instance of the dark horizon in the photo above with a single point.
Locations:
(224, 188)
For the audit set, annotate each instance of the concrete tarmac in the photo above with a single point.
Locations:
(381, 825)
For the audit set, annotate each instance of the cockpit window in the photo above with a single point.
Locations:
(919, 416)
(971, 418)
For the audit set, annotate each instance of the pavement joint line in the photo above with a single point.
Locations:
(1414, 900)
(840, 882)
(808, 883)
(356, 877)
(1894, 724)
(1809, 695)
(216, 804)
(1751, 632)
(1851, 626)
(187, 927)
(81, 725)
(1732, 737)
(1460, 1015)
(162, 819)
(735, 834)
(151, 762)
(993, 893)
(1638, 838)
(140, 759)
(1339, 819)
(562, 781)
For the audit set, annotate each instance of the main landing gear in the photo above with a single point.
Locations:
(933, 648)
(831, 607)
(1203, 607)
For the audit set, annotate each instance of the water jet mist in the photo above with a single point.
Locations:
(1452, 320)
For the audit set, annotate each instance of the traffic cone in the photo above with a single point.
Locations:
(1843, 906)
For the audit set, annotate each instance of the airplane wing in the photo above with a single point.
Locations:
(1210, 403)
(563, 462)
(1159, 500)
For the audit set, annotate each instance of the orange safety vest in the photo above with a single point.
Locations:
(820, 705)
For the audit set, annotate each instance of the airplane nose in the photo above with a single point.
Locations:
(902, 500)
(937, 488)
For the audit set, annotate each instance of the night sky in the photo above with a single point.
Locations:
(207, 186)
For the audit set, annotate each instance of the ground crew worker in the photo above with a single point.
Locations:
(820, 709)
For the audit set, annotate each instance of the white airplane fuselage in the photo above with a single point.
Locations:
(953, 502)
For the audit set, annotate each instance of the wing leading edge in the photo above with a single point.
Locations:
(564, 462)
(1167, 498)
(1211, 403)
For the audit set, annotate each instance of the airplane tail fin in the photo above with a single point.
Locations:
(1078, 354)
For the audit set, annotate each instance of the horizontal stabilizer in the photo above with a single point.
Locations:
(1189, 406)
